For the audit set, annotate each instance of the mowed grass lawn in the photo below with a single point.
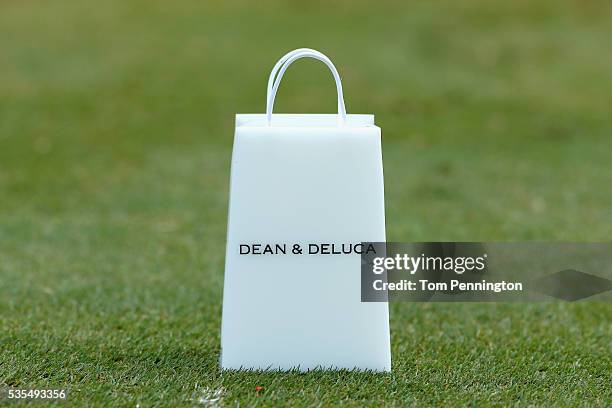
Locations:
(116, 126)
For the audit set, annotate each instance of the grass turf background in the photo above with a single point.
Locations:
(116, 122)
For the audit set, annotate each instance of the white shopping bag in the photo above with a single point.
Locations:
(303, 188)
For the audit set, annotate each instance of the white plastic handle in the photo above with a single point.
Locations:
(281, 62)
(282, 65)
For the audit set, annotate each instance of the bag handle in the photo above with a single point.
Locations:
(279, 64)
(282, 65)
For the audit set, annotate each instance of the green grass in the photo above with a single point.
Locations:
(116, 124)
